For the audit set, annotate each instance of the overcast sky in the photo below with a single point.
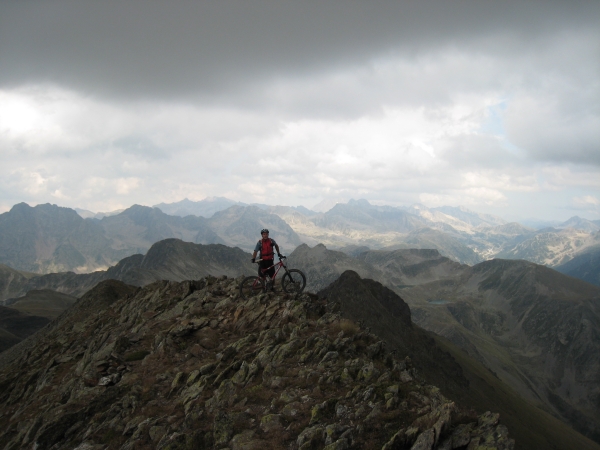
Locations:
(491, 105)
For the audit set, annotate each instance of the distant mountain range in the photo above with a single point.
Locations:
(48, 238)
(204, 208)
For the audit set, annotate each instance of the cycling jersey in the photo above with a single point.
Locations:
(266, 248)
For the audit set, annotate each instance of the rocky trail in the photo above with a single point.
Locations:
(189, 365)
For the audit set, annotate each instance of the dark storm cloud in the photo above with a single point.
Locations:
(221, 49)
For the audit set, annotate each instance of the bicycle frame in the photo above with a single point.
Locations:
(279, 265)
(293, 281)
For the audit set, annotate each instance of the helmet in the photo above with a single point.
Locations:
(264, 230)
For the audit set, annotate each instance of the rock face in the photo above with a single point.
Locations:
(388, 316)
(178, 365)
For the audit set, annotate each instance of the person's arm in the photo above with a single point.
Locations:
(278, 252)
(254, 256)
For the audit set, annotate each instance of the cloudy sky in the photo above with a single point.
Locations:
(490, 105)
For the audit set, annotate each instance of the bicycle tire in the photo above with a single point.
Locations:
(293, 281)
(250, 287)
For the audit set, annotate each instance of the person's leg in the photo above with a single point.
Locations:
(269, 271)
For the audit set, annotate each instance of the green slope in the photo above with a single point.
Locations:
(531, 427)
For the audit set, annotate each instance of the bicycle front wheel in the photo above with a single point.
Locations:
(251, 286)
(293, 281)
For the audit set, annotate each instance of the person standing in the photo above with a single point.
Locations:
(267, 247)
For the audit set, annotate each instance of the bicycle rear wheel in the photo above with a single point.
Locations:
(251, 286)
(293, 281)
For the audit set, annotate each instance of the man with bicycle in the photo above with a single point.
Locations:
(292, 282)
(266, 246)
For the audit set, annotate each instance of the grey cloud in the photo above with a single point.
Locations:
(219, 49)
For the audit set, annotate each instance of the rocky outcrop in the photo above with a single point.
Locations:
(178, 365)
(382, 311)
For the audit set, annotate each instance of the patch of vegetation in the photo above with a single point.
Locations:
(348, 327)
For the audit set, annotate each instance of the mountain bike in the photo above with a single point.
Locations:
(293, 281)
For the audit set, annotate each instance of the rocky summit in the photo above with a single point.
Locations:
(178, 365)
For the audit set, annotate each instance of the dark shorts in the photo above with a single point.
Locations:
(263, 265)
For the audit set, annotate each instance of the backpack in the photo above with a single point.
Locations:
(266, 249)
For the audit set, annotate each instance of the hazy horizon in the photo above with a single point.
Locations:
(325, 206)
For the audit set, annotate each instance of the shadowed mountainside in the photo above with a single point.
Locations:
(322, 266)
(16, 326)
(44, 302)
(186, 365)
(137, 228)
(26, 315)
(532, 326)
(397, 268)
(585, 266)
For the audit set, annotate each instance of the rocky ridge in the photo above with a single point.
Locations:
(169, 259)
(190, 365)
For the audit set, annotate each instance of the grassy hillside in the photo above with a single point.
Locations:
(531, 427)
